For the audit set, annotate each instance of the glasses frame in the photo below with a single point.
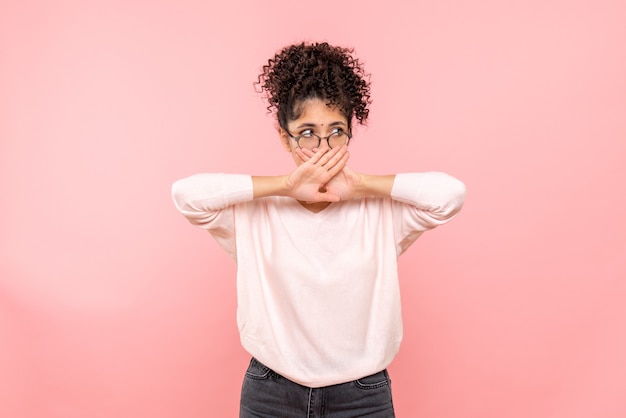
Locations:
(319, 138)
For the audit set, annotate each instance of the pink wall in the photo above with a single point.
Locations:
(111, 305)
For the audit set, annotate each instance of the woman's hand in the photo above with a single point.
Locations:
(344, 184)
(309, 181)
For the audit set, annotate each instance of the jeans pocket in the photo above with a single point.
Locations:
(258, 371)
(374, 381)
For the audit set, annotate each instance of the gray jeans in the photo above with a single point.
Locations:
(266, 394)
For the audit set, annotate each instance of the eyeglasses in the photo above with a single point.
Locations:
(309, 140)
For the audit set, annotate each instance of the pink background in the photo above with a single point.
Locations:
(111, 305)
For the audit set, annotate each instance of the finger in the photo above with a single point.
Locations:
(339, 165)
(309, 153)
(331, 157)
(324, 197)
(317, 156)
(333, 160)
(328, 197)
(302, 155)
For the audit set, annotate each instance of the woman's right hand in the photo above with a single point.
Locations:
(306, 183)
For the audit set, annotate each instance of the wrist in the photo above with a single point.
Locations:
(271, 186)
(374, 185)
(286, 185)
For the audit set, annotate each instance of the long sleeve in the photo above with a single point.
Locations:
(426, 200)
(207, 200)
(200, 197)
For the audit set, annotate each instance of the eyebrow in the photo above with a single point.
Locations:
(313, 125)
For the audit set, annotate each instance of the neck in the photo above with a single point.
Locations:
(314, 207)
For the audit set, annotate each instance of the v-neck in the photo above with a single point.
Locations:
(319, 215)
(312, 210)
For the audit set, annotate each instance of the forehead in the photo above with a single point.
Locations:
(316, 111)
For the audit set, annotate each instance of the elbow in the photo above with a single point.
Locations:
(451, 204)
(458, 192)
(179, 194)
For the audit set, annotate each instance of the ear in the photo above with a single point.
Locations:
(284, 139)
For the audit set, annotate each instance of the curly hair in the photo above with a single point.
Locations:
(318, 70)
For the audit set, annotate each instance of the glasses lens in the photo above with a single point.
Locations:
(308, 142)
(338, 139)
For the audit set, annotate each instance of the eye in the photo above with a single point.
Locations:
(337, 131)
(307, 133)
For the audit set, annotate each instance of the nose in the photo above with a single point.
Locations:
(324, 145)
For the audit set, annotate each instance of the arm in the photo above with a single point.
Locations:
(424, 200)
(437, 196)
(201, 197)
(373, 185)
(435, 192)
(305, 182)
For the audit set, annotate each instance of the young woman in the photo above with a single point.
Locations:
(316, 249)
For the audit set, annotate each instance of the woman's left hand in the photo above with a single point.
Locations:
(344, 184)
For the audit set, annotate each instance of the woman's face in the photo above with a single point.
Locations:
(317, 118)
